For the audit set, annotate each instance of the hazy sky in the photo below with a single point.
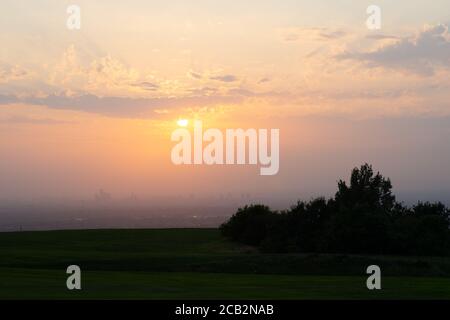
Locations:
(94, 108)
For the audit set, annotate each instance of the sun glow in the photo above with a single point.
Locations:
(182, 122)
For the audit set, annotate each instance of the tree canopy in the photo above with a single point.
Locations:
(363, 217)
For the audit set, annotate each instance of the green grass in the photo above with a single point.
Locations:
(199, 264)
(49, 284)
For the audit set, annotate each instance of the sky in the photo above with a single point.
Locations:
(94, 108)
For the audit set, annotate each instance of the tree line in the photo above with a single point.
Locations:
(362, 218)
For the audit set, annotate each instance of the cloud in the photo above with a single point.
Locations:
(29, 120)
(421, 55)
(8, 99)
(225, 78)
(316, 34)
(242, 92)
(195, 75)
(203, 91)
(10, 73)
(120, 106)
(105, 75)
(381, 37)
(146, 85)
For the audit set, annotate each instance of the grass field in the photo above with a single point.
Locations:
(199, 264)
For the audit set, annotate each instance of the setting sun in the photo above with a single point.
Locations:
(182, 122)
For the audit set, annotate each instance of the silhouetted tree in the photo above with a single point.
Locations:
(249, 224)
(363, 217)
(307, 220)
(359, 229)
(365, 188)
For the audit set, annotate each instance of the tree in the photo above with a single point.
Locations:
(307, 221)
(363, 217)
(249, 224)
(366, 189)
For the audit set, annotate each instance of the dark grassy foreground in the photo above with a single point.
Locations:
(199, 264)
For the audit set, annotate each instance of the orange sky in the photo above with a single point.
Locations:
(94, 108)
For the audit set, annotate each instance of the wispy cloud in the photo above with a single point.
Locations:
(381, 37)
(146, 85)
(30, 120)
(10, 73)
(119, 106)
(225, 78)
(195, 75)
(421, 54)
(316, 34)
